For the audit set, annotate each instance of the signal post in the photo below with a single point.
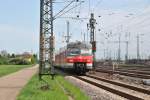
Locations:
(92, 23)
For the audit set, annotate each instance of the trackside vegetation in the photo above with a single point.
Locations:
(7, 69)
(17, 59)
(54, 90)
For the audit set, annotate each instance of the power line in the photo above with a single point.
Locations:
(62, 1)
(69, 10)
(129, 20)
(89, 8)
(74, 18)
(99, 2)
(64, 8)
(47, 36)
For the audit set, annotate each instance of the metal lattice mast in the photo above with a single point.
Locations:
(68, 36)
(138, 47)
(119, 48)
(46, 37)
(92, 37)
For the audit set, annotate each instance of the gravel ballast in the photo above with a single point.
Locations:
(93, 92)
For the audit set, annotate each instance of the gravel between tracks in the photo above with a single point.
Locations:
(125, 79)
(94, 92)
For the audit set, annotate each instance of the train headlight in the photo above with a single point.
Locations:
(89, 60)
(70, 60)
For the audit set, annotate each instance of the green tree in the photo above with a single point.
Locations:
(13, 55)
(34, 59)
(4, 61)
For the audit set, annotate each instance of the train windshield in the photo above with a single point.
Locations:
(86, 52)
(74, 52)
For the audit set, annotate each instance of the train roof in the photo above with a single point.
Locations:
(79, 45)
(75, 45)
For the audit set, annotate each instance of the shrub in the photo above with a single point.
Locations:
(19, 61)
(3, 61)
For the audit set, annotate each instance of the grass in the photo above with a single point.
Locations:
(7, 69)
(74, 91)
(32, 90)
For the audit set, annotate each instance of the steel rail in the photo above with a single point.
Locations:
(134, 71)
(124, 73)
(129, 70)
(121, 84)
(118, 92)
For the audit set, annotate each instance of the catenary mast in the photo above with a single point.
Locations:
(47, 56)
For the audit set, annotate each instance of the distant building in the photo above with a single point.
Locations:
(4, 53)
(26, 56)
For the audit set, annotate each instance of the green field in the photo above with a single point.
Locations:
(7, 69)
(55, 90)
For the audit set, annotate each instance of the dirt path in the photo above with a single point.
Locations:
(11, 85)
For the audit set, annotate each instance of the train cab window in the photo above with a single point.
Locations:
(73, 52)
(86, 52)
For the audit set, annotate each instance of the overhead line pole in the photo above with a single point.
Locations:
(47, 47)
(67, 37)
(92, 37)
(127, 53)
(41, 55)
(47, 38)
(138, 48)
(127, 47)
(52, 42)
(119, 49)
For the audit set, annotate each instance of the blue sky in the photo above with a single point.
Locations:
(19, 21)
(19, 25)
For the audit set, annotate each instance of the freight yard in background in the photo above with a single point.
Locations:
(75, 50)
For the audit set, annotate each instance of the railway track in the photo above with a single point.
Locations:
(135, 71)
(124, 90)
(146, 69)
(127, 91)
(137, 74)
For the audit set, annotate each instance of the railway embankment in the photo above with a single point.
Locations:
(48, 89)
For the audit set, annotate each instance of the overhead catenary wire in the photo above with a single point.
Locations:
(64, 8)
(69, 10)
(74, 18)
(98, 2)
(128, 20)
(79, 10)
(89, 8)
(66, 1)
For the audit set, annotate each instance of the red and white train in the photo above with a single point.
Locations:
(77, 56)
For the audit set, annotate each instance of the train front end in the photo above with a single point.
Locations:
(80, 59)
